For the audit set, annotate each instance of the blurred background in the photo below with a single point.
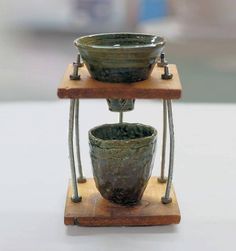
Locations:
(37, 42)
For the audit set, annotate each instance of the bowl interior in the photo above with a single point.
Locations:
(122, 131)
(119, 40)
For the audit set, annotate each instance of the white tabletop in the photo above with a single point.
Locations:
(35, 170)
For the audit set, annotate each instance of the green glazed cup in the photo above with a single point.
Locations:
(120, 57)
(122, 158)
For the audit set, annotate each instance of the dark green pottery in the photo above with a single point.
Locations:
(120, 57)
(122, 159)
(120, 105)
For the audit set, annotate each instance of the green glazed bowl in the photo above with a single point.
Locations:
(120, 57)
(122, 158)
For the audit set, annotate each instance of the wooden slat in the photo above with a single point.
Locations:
(96, 211)
(152, 88)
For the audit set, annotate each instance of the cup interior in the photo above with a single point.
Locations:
(119, 40)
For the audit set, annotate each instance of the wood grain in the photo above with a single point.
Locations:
(96, 211)
(152, 88)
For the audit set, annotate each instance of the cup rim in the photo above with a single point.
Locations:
(109, 141)
(78, 42)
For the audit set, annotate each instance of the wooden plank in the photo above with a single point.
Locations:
(152, 88)
(96, 211)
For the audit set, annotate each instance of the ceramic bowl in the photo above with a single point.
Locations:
(122, 158)
(120, 57)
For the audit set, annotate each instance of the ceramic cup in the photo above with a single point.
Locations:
(122, 158)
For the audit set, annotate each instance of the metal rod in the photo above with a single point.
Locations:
(166, 75)
(75, 196)
(79, 60)
(167, 199)
(81, 178)
(75, 69)
(162, 178)
(162, 61)
(75, 75)
(121, 117)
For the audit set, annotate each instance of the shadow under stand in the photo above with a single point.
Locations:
(159, 195)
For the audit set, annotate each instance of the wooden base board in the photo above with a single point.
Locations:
(93, 210)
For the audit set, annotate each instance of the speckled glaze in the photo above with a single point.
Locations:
(120, 105)
(122, 158)
(120, 57)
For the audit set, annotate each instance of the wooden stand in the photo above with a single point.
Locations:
(159, 204)
(96, 211)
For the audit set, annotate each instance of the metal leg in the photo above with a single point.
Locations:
(75, 196)
(81, 178)
(121, 117)
(167, 199)
(162, 178)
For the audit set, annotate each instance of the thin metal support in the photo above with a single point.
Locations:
(162, 61)
(75, 197)
(75, 75)
(167, 199)
(162, 178)
(121, 117)
(81, 178)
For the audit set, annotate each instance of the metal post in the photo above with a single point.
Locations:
(162, 178)
(167, 199)
(121, 117)
(81, 178)
(75, 196)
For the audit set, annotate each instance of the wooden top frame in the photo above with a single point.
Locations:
(152, 88)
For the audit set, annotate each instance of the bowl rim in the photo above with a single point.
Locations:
(112, 141)
(161, 42)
